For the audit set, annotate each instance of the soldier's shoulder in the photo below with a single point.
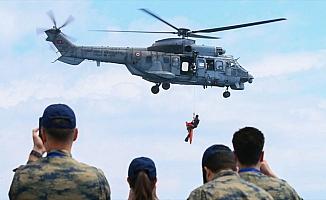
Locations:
(275, 186)
(236, 189)
(88, 167)
(29, 166)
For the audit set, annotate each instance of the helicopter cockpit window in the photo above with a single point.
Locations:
(201, 63)
(185, 66)
(210, 64)
(219, 65)
(232, 65)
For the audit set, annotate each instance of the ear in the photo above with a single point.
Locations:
(261, 157)
(75, 134)
(235, 157)
(237, 163)
(43, 135)
(209, 174)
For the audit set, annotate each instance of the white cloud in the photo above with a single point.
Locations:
(283, 64)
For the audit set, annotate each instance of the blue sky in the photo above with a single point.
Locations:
(118, 117)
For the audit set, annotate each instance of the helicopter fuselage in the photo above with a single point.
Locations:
(188, 64)
(167, 61)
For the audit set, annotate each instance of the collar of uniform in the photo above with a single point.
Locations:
(226, 172)
(249, 169)
(58, 153)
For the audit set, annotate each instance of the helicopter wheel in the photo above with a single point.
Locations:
(155, 89)
(166, 86)
(226, 94)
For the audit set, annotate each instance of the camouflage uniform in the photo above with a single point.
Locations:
(278, 188)
(227, 185)
(59, 176)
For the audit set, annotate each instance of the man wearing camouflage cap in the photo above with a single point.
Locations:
(221, 180)
(58, 175)
(248, 144)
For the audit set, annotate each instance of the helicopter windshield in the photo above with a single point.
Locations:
(235, 61)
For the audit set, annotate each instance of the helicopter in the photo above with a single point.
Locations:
(168, 61)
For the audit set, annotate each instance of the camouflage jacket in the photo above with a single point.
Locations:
(228, 185)
(59, 176)
(278, 188)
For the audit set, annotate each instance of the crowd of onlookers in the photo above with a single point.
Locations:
(239, 174)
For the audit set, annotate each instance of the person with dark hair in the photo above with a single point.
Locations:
(57, 175)
(190, 128)
(248, 144)
(221, 180)
(142, 179)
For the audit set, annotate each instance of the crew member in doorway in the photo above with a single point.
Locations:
(190, 127)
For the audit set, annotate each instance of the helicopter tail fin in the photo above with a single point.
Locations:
(66, 48)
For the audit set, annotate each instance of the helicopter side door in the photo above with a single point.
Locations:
(201, 67)
(211, 74)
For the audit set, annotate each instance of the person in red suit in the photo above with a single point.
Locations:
(190, 127)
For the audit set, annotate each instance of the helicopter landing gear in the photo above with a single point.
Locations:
(226, 94)
(166, 86)
(155, 89)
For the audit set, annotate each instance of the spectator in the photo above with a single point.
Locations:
(221, 180)
(248, 146)
(142, 179)
(58, 175)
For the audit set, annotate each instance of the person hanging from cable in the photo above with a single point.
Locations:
(190, 128)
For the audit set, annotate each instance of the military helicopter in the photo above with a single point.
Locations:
(167, 61)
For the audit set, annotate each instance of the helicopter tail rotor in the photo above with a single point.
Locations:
(55, 27)
(55, 30)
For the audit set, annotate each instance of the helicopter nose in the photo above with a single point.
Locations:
(250, 78)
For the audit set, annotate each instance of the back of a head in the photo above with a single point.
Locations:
(142, 178)
(248, 144)
(59, 121)
(217, 158)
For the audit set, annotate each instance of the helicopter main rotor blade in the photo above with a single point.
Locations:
(114, 31)
(68, 21)
(157, 17)
(201, 36)
(51, 15)
(236, 26)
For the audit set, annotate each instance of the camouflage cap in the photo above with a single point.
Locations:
(58, 111)
(142, 164)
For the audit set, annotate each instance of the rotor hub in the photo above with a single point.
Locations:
(183, 32)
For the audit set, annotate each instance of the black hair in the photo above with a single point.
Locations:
(248, 144)
(221, 160)
(60, 134)
(217, 158)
